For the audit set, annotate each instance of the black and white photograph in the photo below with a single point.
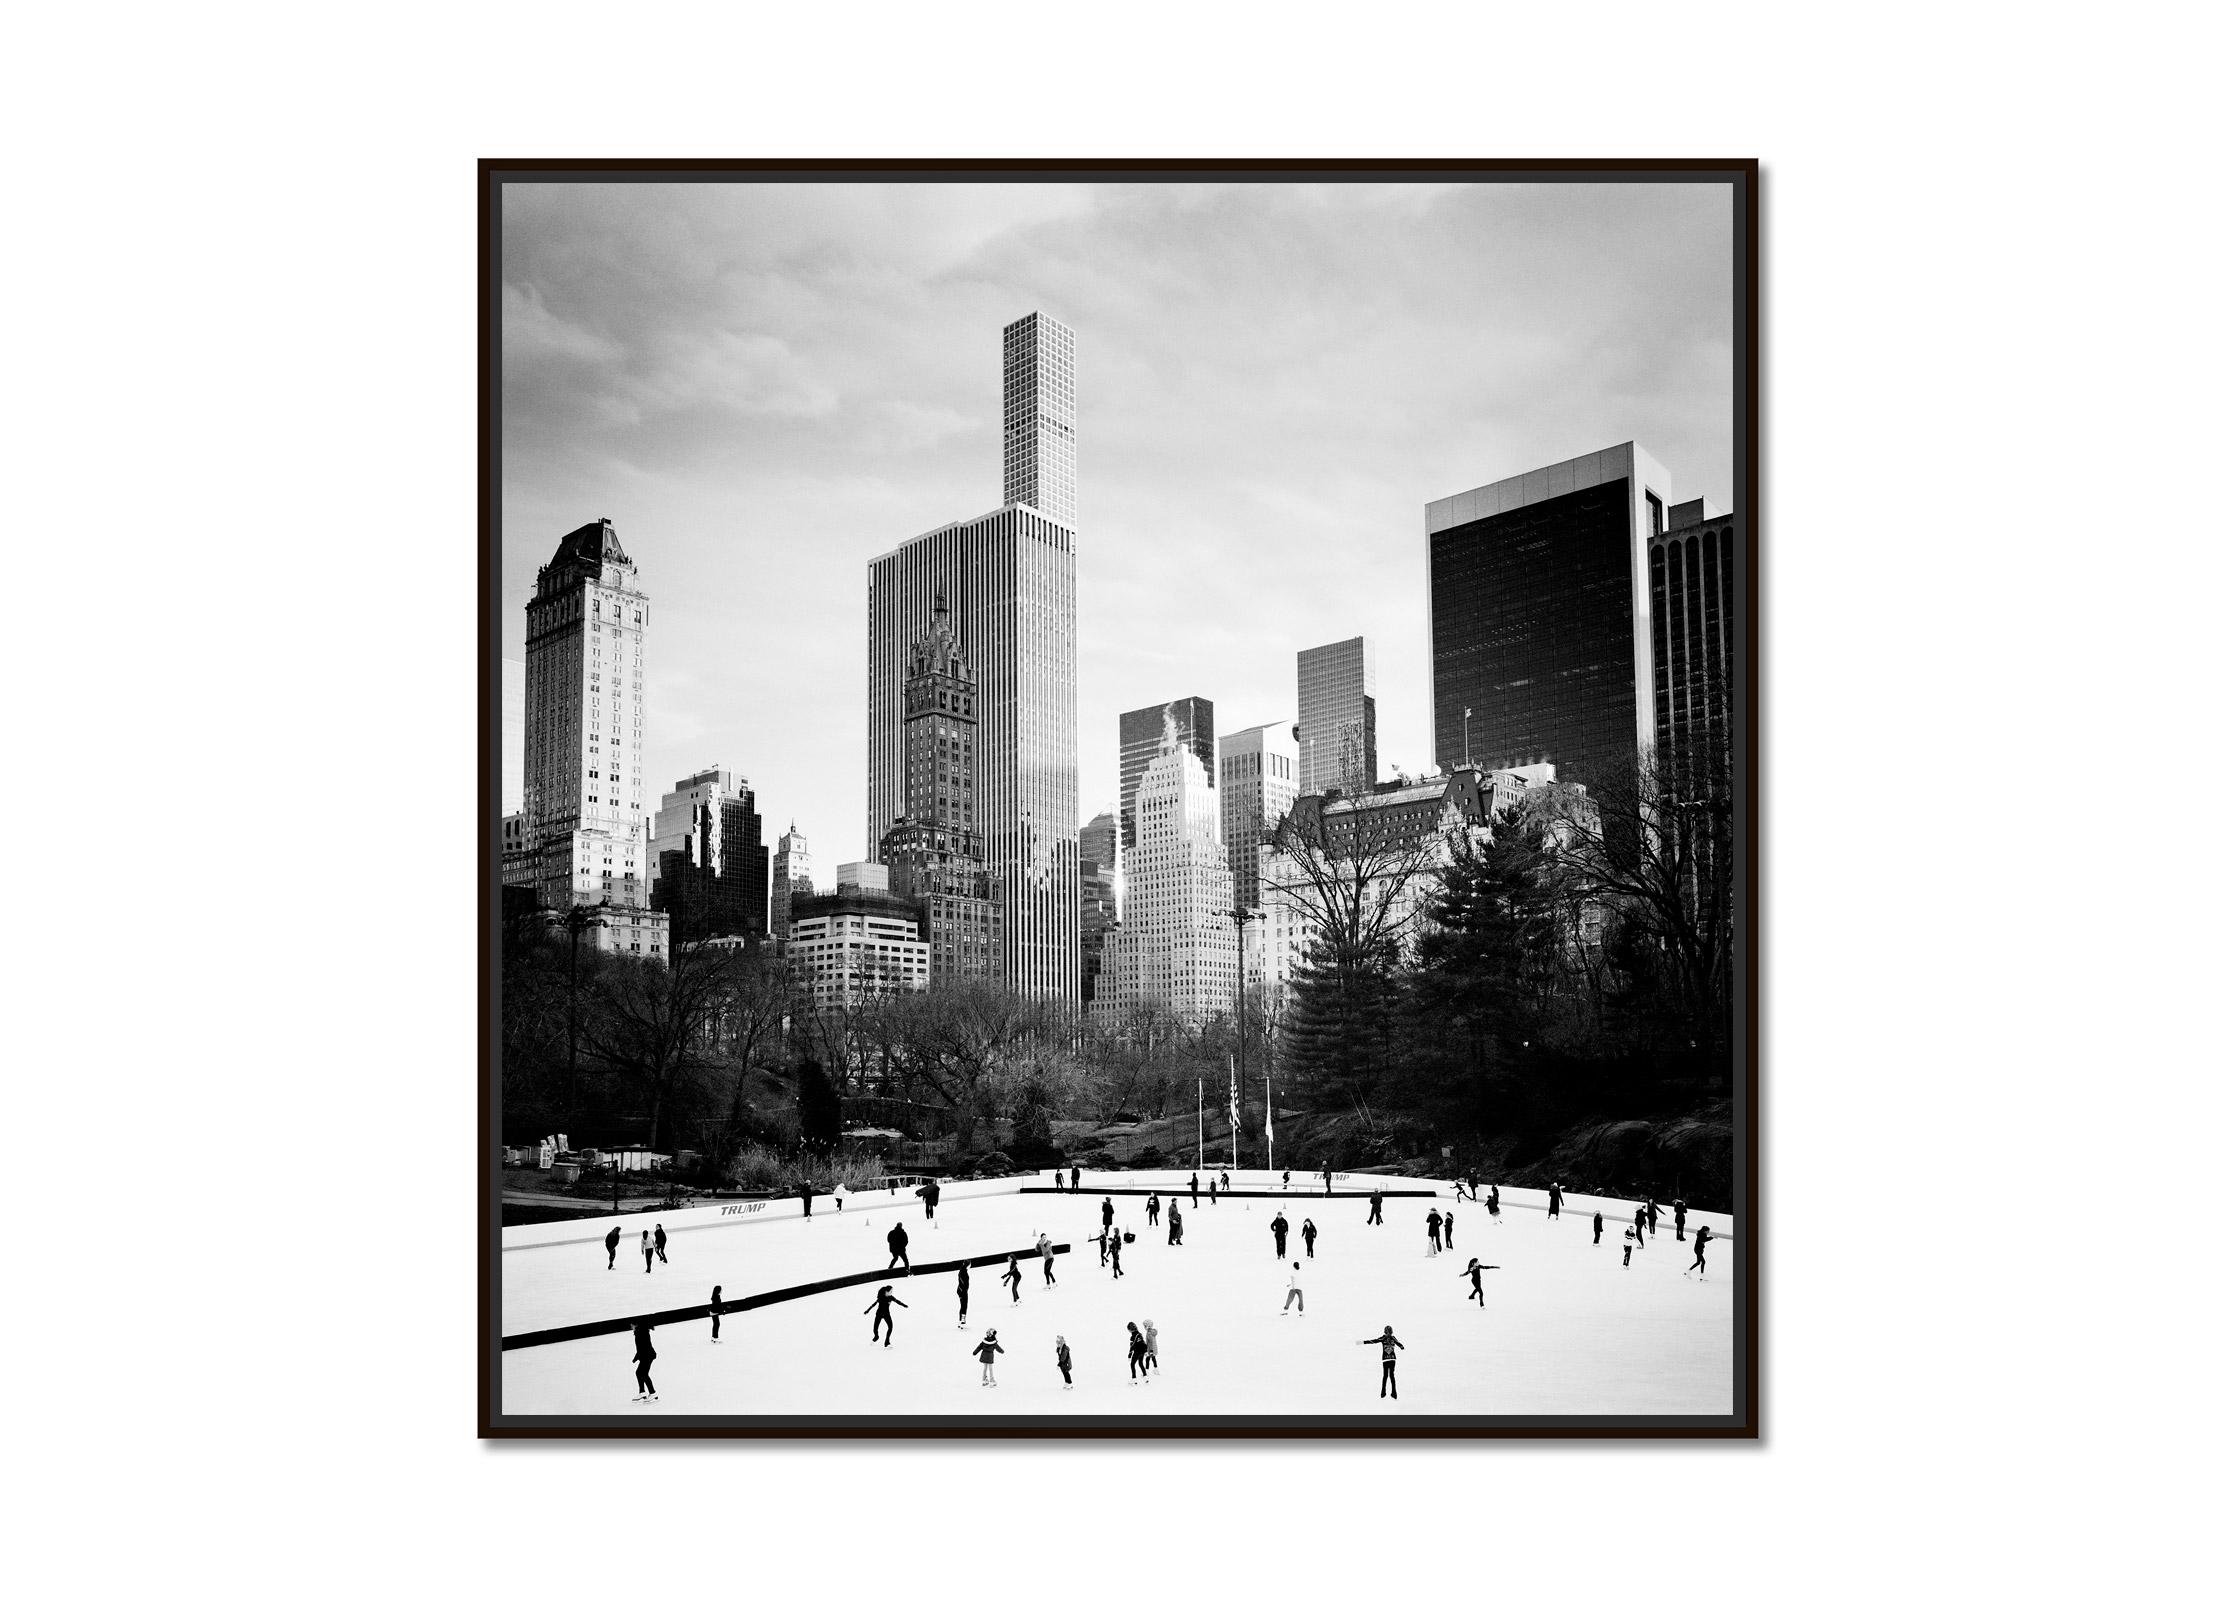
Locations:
(1159, 754)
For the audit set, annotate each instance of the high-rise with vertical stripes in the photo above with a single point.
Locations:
(1008, 580)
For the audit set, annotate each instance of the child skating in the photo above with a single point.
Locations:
(1293, 1292)
(987, 1350)
(1477, 1283)
(1392, 1347)
(1150, 1346)
(884, 1309)
(1012, 1276)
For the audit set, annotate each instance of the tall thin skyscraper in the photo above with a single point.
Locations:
(1337, 727)
(583, 798)
(1259, 780)
(1693, 599)
(1144, 733)
(1008, 579)
(1539, 607)
(1038, 439)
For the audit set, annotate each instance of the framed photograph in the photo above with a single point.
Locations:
(1119, 799)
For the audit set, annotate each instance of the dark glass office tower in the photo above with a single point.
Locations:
(1539, 610)
(1692, 598)
(1143, 734)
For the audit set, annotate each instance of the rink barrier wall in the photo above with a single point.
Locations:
(593, 1226)
(1183, 1193)
(770, 1297)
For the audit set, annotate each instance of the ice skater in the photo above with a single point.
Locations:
(839, 1197)
(1703, 1237)
(884, 1307)
(1104, 1243)
(898, 1247)
(1633, 1238)
(1174, 1223)
(1292, 1292)
(1555, 1199)
(1151, 1211)
(1326, 1180)
(1598, 1230)
(641, 1334)
(1306, 1236)
(964, 1290)
(1012, 1275)
(661, 1243)
(1193, 1191)
(987, 1350)
(1392, 1348)
(1049, 1259)
(1076, 1180)
(1477, 1283)
(645, 1247)
(931, 1195)
(1225, 1183)
(1286, 1180)
(614, 1243)
(1106, 1212)
(1376, 1207)
(1065, 1361)
(1150, 1345)
(1655, 1211)
(808, 1198)
(1680, 1218)
(1458, 1189)
(1116, 1237)
(1432, 1248)
(1137, 1349)
(1281, 1228)
(715, 1316)
(1448, 1224)
(1493, 1201)
(1641, 1223)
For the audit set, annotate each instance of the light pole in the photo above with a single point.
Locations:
(1466, 736)
(1240, 915)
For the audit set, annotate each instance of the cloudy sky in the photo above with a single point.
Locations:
(765, 385)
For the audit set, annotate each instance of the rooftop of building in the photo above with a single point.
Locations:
(1545, 483)
(593, 544)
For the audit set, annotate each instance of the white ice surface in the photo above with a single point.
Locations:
(1566, 1330)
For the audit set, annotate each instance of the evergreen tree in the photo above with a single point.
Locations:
(820, 1107)
(1339, 1032)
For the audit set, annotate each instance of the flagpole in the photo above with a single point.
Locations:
(1268, 1084)
(1201, 1126)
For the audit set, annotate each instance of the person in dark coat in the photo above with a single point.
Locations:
(1137, 1350)
(1012, 1275)
(1116, 1272)
(1598, 1228)
(882, 1310)
(1076, 1180)
(1477, 1284)
(1151, 1211)
(1392, 1347)
(1433, 1248)
(1680, 1218)
(898, 1247)
(1049, 1259)
(1655, 1211)
(1281, 1228)
(987, 1350)
(1703, 1237)
(1107, 1212)
(1306, 1236)
(1493, 1201)
(661, 1243)
(1376, 1207)
(931, 1195)
(614, 1243)
(964, 1290)
(641, 1334)
(1326, 1178)
(1065, 1361)
(1555, 1199)
(1225, 1183)
(1448, 1224)
(1174, 1223)
(1104, 1245)
(715, 1316)
(1193, 1191)
(808, 1198)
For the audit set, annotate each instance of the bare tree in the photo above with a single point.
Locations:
(648, 1023)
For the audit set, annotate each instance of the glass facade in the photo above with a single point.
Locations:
(1337, 716)
(1692, 604)
(1533, 629)
(1038, 416)
(1185, 724)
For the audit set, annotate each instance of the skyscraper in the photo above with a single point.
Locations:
(790, 875)
(1038, 438)
(1539, 614)
(1337, 729)
(711, 870)
(1175, 943)
(933, 850)
(1693, 600)
(1259, 780)
(1008, 579)
(583, 801)
(1143, 734)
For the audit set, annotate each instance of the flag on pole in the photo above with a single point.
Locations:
(1236, 1120)
(1269, 1085)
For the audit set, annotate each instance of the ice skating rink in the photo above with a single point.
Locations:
(1565, 1331)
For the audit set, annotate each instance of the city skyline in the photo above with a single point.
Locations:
(766, 386)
